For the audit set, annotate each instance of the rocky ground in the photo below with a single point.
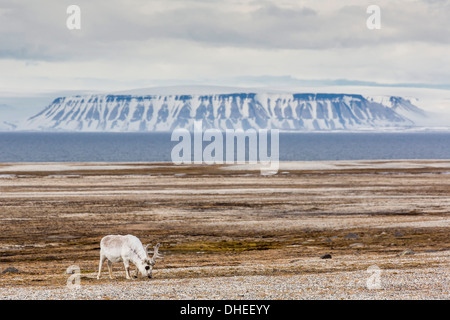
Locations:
(334, 230)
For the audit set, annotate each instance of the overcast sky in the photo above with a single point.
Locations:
(131, 44)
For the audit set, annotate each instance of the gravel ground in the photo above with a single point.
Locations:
(402, 283)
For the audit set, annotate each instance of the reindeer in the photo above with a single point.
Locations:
(116, 248)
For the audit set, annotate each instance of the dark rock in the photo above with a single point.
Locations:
(398, 234)
(351, 236)
(326, 256)
(10, 270)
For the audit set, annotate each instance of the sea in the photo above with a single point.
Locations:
(157, 147)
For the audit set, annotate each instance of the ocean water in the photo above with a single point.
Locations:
(156, 147)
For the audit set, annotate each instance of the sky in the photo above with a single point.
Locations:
(135, 43)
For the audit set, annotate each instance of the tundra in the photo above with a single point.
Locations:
(116, 248)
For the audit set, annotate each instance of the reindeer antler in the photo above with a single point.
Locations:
(146, 249)
(156, 253)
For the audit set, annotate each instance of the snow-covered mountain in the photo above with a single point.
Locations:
(297, 112)
(5, 115)
(7, 126)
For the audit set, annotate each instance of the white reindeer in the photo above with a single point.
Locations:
(116, 248)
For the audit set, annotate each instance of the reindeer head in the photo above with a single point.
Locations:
(149, 262)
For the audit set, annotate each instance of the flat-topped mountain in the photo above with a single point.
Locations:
(290, 112)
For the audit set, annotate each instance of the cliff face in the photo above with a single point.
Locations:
(293, 112)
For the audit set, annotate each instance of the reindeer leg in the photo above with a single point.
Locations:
(102, 259)
(127, 269)
(110, 269)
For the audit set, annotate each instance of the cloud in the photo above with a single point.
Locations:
(33, 31)
(124, 41)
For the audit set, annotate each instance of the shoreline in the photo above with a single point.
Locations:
(109, 167)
